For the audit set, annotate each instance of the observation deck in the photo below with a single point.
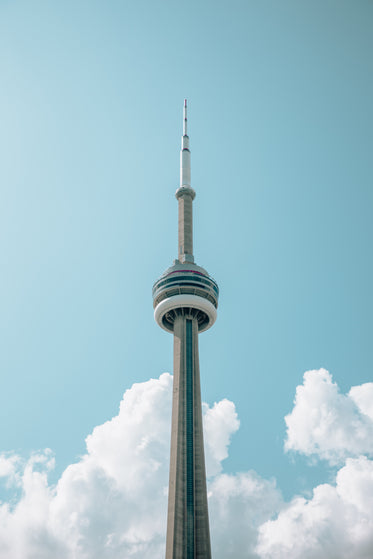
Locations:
(186, 289)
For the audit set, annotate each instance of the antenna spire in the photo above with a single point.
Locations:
(185, 195)
(185, 153)
(185, 132)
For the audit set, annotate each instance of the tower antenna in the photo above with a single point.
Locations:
(185, 131)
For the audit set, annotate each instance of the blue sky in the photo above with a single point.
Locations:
(280, 121)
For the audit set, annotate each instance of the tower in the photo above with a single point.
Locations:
(185, 300)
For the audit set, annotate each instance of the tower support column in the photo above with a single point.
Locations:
(188, 534)
(185, 226)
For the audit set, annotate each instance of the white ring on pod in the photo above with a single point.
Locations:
(186, 300)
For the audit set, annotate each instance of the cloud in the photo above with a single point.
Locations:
(337, 523)
(219, 424)
(112, 503)
(8, 468)
(238, 505)
(328, 424)
(24, 531)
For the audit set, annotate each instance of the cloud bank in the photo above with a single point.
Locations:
(337, 523)
(329, 424)
(112, 503)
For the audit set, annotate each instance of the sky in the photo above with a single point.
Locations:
(280, 123)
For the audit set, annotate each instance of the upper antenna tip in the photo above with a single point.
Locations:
(185, 102)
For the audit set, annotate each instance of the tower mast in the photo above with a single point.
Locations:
(185, 301)
(185, 195)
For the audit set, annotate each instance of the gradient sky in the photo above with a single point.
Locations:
(280, 121)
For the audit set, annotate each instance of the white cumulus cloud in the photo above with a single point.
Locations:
(112, 503)
(329, 424)
(337, 523)
(219, 424)
(238, 505)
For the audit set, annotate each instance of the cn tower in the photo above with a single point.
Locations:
(185, 300)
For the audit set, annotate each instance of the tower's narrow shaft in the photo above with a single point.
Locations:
(188, 535)
(185, 228)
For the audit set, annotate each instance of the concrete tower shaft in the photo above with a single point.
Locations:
(188, 532)
(185, 300)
